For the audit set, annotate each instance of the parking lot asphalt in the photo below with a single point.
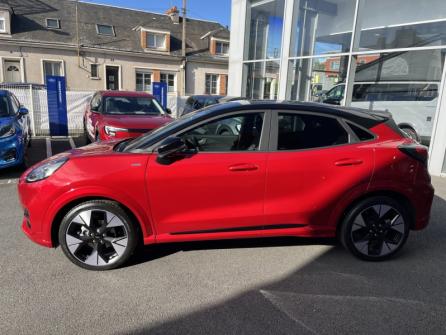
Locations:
(267, 286)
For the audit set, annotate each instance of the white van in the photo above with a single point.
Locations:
(412, 104)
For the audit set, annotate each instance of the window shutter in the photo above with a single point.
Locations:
(212, 47)
(144, 39)
(223, 80)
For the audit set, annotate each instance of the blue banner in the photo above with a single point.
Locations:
(160, 93)
(57, 105)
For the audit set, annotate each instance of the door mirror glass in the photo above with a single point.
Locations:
(171, 146)
(168, 111)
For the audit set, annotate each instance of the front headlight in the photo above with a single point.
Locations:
(111, 131)
(8, 130)
(45, 170)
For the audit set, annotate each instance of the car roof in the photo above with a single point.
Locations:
(363, 117)
(200, 96)
(124, 94)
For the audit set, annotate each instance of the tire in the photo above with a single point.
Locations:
(97, 235)
(411, 133)
(376, 228)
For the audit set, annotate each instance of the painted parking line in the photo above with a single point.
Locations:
(49, 152)
(9, 181)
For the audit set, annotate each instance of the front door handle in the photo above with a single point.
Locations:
(243, 167)
(348, 162)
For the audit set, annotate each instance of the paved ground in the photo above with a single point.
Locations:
(273, 286)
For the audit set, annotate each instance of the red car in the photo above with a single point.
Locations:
(292, 169)
(122, 114)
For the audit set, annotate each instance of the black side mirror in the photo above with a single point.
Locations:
(168, 111)
(23, 111)
(94, 109)
(171, 146)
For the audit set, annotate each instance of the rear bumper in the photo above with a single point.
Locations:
(423, 199)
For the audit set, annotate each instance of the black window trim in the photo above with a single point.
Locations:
(347, 125)
(264, 137)
(274, 130)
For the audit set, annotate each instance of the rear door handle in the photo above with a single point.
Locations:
(243, 167)
(348, 162)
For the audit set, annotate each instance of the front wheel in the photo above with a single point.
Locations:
(97, 235)
(376, 228)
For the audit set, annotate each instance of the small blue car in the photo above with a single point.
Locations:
(15, 130)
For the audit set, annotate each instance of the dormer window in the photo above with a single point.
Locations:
(53, 23)
(105, 29)
(2, 25)
(221, 48)
(155, 40)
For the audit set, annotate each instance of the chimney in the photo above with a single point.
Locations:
(174, 14)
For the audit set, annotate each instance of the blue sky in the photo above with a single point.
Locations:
(212, 10)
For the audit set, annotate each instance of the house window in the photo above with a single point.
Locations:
(52, 68)
(53, 23)
(168, 78)
(104, 29)
(335, 66)
(143, 81)
(2, 25)
(211, 83)
(222, 48)
(156, 41)
(94, 71)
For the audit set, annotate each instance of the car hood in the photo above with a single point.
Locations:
(95, 149)
(146, 122)
(6, 120)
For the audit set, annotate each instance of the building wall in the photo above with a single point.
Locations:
(196, 75)
(79, 77)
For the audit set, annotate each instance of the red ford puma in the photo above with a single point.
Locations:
(122, 114)
(288, 169)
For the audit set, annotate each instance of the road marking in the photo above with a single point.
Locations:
(48, 148)
(73, 145)
(9, 181)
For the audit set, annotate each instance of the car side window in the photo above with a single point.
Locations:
(361, 133)
(305, 131)
(14, 104)
(96, 102)
(239, 132)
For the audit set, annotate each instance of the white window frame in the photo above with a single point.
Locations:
(4, 25)
(22, 67)
(51, 18)
(217, 88)
(220, 40)
(97, 67)
(144, 71)
(105, 25)
(42, 66)
(156, 32)
(174, 91)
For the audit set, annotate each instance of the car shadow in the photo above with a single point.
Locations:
(331, 293)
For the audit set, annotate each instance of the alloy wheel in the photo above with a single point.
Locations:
(97, 237)
(378, 230)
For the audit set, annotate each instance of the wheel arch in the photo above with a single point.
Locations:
(387, 193)
(57, 220)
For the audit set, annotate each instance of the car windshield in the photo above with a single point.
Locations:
(132, 106)
(156, 134)
(5, 108)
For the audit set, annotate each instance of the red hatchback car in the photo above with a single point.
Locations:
(288, 169)
(122, 114)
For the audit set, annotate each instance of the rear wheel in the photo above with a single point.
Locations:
(376, 228)
(97, 235)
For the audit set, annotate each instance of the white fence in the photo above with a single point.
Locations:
(34, 98)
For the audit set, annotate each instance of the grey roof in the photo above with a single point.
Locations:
(28, 23)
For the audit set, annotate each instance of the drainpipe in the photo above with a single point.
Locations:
(183, 51)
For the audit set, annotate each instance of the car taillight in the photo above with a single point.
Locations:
(416, 151)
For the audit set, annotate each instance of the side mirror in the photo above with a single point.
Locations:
(168, 111)
(94, 109)
(23, 111)
(170, 146)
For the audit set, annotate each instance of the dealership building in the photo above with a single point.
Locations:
(374, 54)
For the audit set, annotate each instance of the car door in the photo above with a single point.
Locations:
(92, 115)
(218, 189)
(314, 161)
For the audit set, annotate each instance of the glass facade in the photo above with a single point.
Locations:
(375, 54)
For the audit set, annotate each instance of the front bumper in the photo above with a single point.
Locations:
(11, 151)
